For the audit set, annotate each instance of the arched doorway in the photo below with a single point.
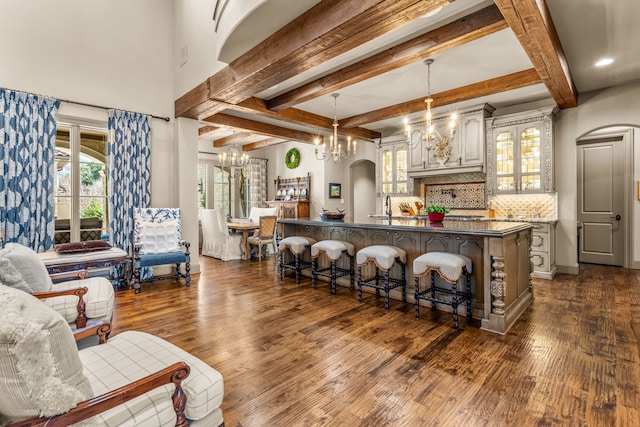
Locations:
(363, 198)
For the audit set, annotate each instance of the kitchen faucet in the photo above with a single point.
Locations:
(387, 205)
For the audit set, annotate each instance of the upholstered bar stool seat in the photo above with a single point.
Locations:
(384, 257)
(450, 267)
(296, 245)
(333, 249)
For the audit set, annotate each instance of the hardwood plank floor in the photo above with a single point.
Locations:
(291, 355)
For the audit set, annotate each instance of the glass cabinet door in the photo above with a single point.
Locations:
(530, 168)
(387, 171)
(401, 170)
(505, 175)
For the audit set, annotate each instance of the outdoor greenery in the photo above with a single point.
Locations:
(90, 173)
(92, 210)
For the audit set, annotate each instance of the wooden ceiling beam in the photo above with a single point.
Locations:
(475, 90)
(258, 107)
(330, 28)
(236, 138)
(531, 22)
(262, 143)
(242, 124)
(474, 26)
(206, 131)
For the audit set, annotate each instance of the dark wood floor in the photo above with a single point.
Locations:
(291, 355)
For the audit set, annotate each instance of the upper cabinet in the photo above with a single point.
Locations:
(393, 161)
(520, 152)
(465, 153)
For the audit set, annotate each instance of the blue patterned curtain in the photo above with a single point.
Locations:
(129, 173)
(27, 151)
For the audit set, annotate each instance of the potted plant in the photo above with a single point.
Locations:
(436, 212)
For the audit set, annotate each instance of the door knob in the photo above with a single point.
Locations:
(617, 217)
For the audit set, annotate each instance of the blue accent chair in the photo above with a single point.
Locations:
(157, 241)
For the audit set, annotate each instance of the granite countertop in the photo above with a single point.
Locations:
(475, 218)
(452, 226)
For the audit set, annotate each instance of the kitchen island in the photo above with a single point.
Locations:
(501, 282)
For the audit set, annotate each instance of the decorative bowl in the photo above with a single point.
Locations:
(326, 215)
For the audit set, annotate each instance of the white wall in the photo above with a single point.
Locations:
(609, 107)
(100, 53)
(116, 54)
(364, 190)
(308, 164)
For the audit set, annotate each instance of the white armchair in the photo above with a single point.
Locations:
(216, 241)
(133, 379)
(80, 301)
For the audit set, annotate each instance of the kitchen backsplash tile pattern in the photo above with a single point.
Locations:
(456, 196)
(470, 200)
(544, 206)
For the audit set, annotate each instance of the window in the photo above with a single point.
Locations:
(219, 187)
(80, 182)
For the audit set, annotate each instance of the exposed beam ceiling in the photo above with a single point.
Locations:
(333, 27)
(464, 30)
(206, 131)
(235, 138)
(531, 23)
(261, 144)
(258, 107)
(260, 128)
(475, 90)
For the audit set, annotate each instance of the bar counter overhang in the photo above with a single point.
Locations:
(501, 281)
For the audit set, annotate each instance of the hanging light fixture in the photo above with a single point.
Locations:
(432, 139)
(335, 151)
(233, 158)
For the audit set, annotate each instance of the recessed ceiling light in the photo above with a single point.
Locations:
(603, 62)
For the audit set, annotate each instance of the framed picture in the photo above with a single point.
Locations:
(335, 190)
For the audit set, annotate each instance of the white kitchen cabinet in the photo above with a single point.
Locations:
(520, 152)
(543, 250)
(465, 153)
(392, 165)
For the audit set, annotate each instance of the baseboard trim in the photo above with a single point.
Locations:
(568, 269)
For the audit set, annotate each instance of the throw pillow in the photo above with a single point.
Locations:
(79, 247)
(159, 237)
(11, 277)
(26, 261)
(40, 370)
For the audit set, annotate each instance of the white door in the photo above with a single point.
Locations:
(601, 201)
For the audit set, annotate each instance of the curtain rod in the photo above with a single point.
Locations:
(153, 116)
(85, 104)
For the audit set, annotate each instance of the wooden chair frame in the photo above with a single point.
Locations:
(88, 408)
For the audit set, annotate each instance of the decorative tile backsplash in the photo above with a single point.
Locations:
(456, 196)
(470, 200)
(544, 206)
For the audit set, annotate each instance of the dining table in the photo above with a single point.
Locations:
(244, 228)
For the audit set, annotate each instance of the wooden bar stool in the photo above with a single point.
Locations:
(333, 249)
(297, 245)
(384, 257)
(450, 267)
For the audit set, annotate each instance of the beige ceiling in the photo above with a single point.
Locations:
(587, 30)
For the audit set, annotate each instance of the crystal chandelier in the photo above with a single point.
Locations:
(232, 158)
(335, 151)
(432, 139)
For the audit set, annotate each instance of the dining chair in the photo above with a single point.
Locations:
(265, 234)
(216, 241)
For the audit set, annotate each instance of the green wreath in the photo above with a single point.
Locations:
(292, 158)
